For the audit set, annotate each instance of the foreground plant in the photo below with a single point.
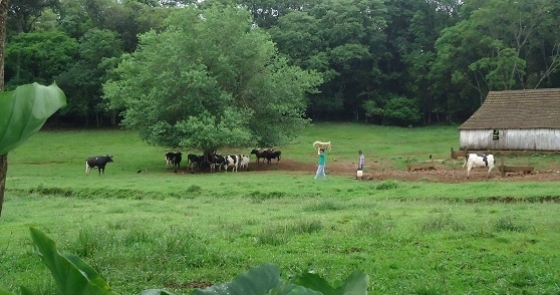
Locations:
(75, 277)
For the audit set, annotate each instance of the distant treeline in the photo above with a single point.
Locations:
(392, 62)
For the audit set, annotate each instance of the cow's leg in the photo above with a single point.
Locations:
(87, 168)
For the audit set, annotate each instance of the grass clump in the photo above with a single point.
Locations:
(507, 223)
(325, 205)
(193, 188)
(439, 222)
(387, 185)
(307, 226)
(277, 235)
(272, 235)
(374, 225)
(258, 196)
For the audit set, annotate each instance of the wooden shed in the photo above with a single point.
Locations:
(526, 120)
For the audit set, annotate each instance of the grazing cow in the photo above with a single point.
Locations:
(233, 161)
(479, 160)
(174, 159)
(260, 153)
(98, 161)
(244, 162)
(272, 154)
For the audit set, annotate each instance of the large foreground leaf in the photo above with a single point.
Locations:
(291, 289)
(355, 284)
(257, 281)
(72, 275)
(24, 111)
(155, 292)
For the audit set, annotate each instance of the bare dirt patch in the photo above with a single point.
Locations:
(383, 171)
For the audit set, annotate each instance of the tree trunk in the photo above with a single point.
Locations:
(3, 172)
(3, 158)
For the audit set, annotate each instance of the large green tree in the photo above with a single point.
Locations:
(210, 80)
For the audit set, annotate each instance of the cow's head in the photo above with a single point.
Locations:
(219, 159)
(109, 158)
(254, 152)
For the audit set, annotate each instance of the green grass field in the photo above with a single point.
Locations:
(175, 231)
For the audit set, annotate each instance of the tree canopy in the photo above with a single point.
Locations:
(394, 62)
(210, 79)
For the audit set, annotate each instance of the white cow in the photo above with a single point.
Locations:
(322, 145)
(479, 160)
(244, 162)
(233, 161)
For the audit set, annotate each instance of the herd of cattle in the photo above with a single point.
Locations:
(215, 162)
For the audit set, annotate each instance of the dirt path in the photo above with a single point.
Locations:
(379, 171)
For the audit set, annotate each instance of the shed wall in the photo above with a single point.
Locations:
(511, 139)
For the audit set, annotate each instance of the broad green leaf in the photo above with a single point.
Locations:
(355, 284)
(257, 281)
(291, 289)
(314, 282)
(24, 111)
(155, 292)
(24, 291)
(5, 292)
(72, 275)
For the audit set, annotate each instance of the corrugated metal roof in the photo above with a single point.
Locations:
(519, 109)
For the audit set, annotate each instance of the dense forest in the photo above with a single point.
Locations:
(392, 62)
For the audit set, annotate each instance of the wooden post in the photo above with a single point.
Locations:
(503, 168)
(408, 163)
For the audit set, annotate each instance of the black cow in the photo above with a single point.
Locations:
(174, 159)
(98, 161)
(260, 154)
(194, 159)
(272, 154)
